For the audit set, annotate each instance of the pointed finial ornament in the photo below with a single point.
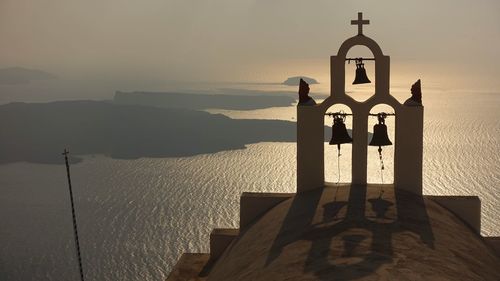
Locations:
(360, 22)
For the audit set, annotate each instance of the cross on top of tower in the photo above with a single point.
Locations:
(360, 21)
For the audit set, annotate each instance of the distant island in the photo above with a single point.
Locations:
(294, 81)
(37, 132)
(20, 75)
(257, 100)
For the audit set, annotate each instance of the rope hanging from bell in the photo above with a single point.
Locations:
(339, 136)
(380, 138)
(381, 163)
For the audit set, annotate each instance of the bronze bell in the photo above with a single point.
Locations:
(361, 77)
(380, 137)
(339, 132)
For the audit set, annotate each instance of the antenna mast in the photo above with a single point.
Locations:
(75, 228)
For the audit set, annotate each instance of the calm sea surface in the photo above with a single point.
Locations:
(136, 217)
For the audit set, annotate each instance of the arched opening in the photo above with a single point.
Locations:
(360, 92)
(381, 169)
(338, 168)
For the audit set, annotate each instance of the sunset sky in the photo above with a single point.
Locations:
(451, 42)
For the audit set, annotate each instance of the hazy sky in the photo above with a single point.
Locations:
(245, 40)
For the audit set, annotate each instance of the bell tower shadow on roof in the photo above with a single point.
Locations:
(408, 148)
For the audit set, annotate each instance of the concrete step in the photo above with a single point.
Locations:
(255, 204)
(494, 243)
(467, 208)
(189, 267)
(220, 238)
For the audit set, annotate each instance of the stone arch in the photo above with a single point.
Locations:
(389, 100)
(360, 40)
(382, 64)
(360, 92)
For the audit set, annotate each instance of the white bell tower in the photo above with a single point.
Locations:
(408, 131)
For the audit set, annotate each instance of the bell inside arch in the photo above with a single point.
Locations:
(361, 77)
(339, 132)
(380, 136)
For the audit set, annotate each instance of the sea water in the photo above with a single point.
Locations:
(136, 217)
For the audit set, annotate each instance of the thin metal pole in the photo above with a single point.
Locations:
(75, 228)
